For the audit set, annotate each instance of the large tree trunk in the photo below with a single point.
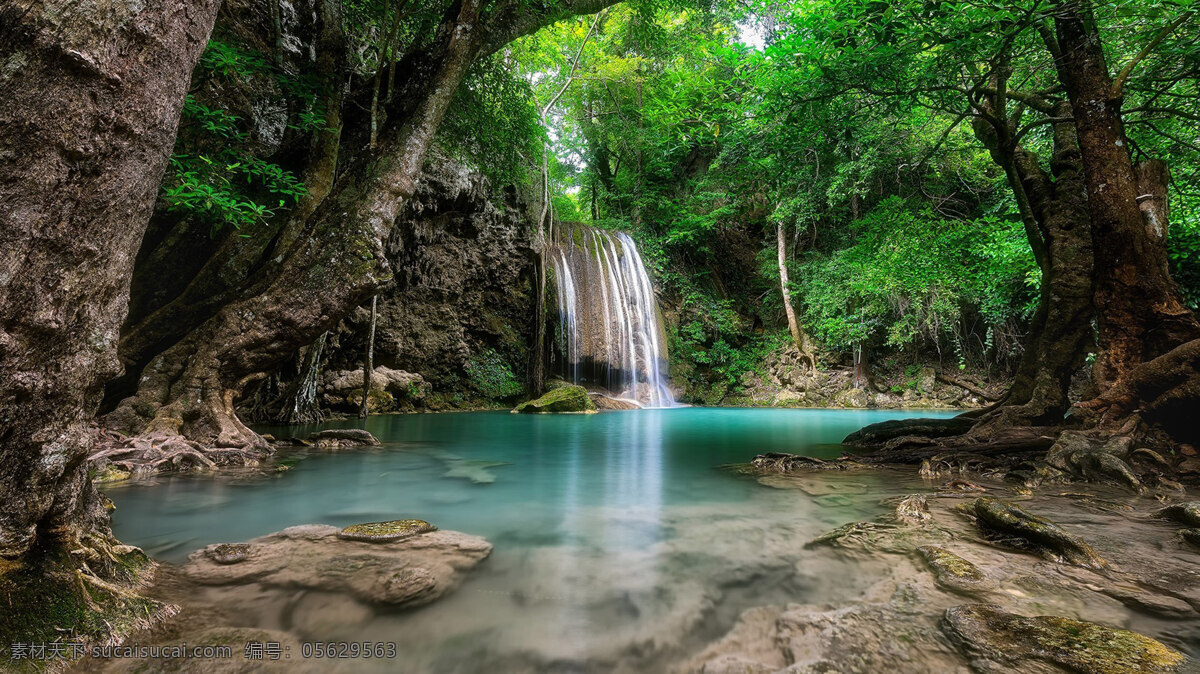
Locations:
(1141, 313)
(240, 265)
(1060, 332)
(337, 262)
(86, 127)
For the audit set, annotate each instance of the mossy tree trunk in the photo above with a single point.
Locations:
(87, 124)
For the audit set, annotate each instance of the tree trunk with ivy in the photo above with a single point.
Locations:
(87, 124)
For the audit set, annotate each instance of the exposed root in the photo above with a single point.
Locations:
(160, 452)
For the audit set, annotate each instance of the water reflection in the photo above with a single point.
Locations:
(615, 534)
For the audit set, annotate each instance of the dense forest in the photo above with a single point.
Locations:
(220, 215)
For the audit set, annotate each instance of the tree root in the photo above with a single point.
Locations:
(160, 452)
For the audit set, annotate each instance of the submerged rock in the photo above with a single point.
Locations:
(385, 532)
(342, 437)
(1007, 523)
(913, 510)
(799, 638)
(779, 462)
(1183, 513)
(411, 571)
(953, 572)
(1004, 642)
(567, 398)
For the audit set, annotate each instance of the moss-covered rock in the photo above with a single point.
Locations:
(110, 474)
(1191, 536)
(953, 572)
(385, 532)
(569, 398)
(1009, 524)
(987, 632)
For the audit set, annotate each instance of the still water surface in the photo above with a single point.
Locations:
(619, 540)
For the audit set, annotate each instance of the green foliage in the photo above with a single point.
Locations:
(490, 374)
(910, 276)
(493, 122)
(214, 174)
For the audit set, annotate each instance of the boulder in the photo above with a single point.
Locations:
(421, 566)
(953, 572)
(1006, 642)
(855, 398)
(789, 398)
(568, 398)
(603, 402)
(344, 388)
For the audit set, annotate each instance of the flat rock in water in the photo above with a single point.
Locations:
(408, 572)
(342, 437)
(1006, 642)
(953, 572)
(1005, 521)
(385, 532)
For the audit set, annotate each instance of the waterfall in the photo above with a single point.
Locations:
(610, 330)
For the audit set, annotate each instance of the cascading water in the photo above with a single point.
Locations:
(610, 331)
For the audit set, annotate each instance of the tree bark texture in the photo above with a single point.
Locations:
(87, 124)
(1141, 313)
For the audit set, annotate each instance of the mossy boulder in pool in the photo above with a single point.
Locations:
(1001, 641)
(385, 532)
(568, 398)
(953, 572)
(1009, 524)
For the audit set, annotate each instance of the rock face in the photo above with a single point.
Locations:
(459, 314)
(412, 571)
(783, 379)
(568, 398)
(1006, 642)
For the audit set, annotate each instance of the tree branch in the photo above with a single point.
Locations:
(1118, 87)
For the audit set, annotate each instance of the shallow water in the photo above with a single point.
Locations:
(517, 480)
(620, 543)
